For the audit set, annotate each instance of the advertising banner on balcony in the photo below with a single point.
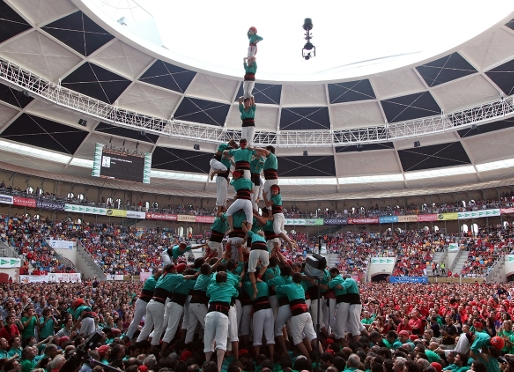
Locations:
(205, 219)
(408, 279)
(412, 218)
(9, 263)
(76, 208)
(61, 244)
(161, 216)
(136, 214)
(6, 199)
(114, 277)
(479, 214)
(336, 221)
(116, 213)
(388, 219)
(51, 278)
(453, 247)
(24, 202)
(314, 222)
(447, 216)
(295, 221)
(363, 221)
(382, 260)
(427, 217)
(186, 218)
(51, 205)
(507, 211)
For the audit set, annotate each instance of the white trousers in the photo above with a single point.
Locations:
(314, 313)
(221, 191)
(248, 86)
(353, 324)
(154, 318)
(174, 315)
(255, 256)
(248, 133)
(301, 326)
(217, 165)
(244, 320)
(342, 309)
(216, 247)
(139, 313)
(283, 315)
(185, 321)
(278, 223)
(263, 325)
(196, 316)
(245, 205)
(216, 330)
(232, 326)
(252, 51)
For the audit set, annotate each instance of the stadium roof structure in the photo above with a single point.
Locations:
(71, 79)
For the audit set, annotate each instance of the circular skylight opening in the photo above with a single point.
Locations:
(351, 38)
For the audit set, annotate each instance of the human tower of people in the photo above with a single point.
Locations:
(248, 284)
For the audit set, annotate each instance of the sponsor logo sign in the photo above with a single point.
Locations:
(75, 208)
(362, 221)
(294, 221)
(51, 205)
(388, 219)
(136, 214)
(51, 278)
(427, 217)
(382, 260)
(205, 219)
(412, 218)
(507, 211)
(408, 279)
(161, 216)
(6, 199)
(61, 244)
(447, 216)
(186, 218)
(24, 202)
(479, 214)
(336, 221)
(116, 213)
(9, 263)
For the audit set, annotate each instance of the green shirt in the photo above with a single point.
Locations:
(220, 224)
(292, 291)
(242, 154)
(271, 162)
(222, 292)
(202, 282)
(149, 284)
(28, 330)
(177, 252)
(338, 280)
(255, 237)
(481, 339)
(262, 289)
(256, 164)
(28, 365)
(278, 281)
(250, 114)
(185, 287)
(250, 69)
(242, 184)
(47, 329)
(169, 282)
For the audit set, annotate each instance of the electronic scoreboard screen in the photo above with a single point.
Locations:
(120, 165)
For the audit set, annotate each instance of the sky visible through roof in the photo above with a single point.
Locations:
(351, 38)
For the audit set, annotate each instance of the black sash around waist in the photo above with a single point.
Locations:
(199, 297)
(179, 298)
(146, 295)
(222, 307)
(261, 303)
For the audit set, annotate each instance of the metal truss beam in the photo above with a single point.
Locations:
(35, 85)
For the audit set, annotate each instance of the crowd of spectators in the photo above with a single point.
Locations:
(293, 211)
(408, 327)
(123, 250)
(28, 236)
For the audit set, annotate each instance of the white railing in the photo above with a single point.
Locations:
(35, 85)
